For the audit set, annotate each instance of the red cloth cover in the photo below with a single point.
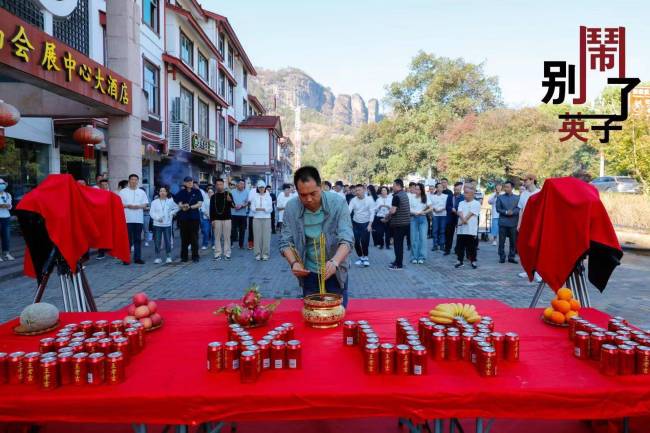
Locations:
(77, 218)
(561, 224)
(168, 382)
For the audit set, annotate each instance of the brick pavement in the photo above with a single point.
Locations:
(113, 284)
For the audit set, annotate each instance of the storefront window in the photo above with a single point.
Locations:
(23, 164)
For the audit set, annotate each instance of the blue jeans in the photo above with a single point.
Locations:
(135, 239)
(206, 232)
(160, 233)
(310, 286)
(438, 232)
(4, 234)
(419, 237)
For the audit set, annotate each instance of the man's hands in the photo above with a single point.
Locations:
(299, 270)
(330, 269)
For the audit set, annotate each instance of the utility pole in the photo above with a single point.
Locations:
(298, 136)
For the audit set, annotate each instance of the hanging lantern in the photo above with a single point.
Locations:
(9, 116)
(88, 137)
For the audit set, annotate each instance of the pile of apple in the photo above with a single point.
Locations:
(144, 311)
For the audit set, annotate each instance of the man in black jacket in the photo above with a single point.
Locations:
(452, 216)
(221, 205)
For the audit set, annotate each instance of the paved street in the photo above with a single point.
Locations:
(628, 293)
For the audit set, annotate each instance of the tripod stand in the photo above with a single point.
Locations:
(576, 282)
(75, 289)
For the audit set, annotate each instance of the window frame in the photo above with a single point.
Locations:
(231, 136)
(221, 43)
(191, 51)
(190, 124)
(245, 79)
(231, 58)
(231, 94)
(222, 131)
(200, 56)
(156, 95)
(199, 127)
(155, 16)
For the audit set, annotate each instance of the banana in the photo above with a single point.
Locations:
(443, 314)
(441, 320)
(446, 313)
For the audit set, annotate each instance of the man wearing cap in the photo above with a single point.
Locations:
(189, 201)
(317, 213)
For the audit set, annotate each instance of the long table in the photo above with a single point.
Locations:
(168, 382)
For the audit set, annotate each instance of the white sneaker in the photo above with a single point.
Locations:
(204, 248)
(9, 257)
(359, 262)
(258, 257)
(168, 260)
(366, 263)
(414, 261)
(217, 257)
(265, 258)
(538, 277)
(420, 262)
(1, 259)
(158, 261)
(146, 244)
(214, 247)
(494, 243)
(522, 275)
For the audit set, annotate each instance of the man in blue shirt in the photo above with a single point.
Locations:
(240, 212)
(189, 201)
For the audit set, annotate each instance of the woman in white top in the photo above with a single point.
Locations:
(420, 207)
(162, 213)
(5, 217)
(261, 208)
(382, 207)
(439, 222)
(283, 199)
(362, 208)
(494, 230)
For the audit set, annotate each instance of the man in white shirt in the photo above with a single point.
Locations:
(362, 208)
(283, 198)
(135, 201)
(468, 212)
(339, 188)
(439, 222)
(529, 189)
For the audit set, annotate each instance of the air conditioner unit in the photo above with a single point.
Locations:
(180, 137)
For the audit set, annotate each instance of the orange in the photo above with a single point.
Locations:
(563, 306)
(570, 314)
(575, 304)
(557, 317)
(548, 312)
(555, 304)
(564, 294)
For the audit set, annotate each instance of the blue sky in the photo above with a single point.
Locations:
(361, 45)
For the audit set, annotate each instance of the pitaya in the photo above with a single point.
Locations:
(252, 297)
(242, 316)
(261, 315)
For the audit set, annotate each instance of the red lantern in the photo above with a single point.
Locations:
(88, 137)
(9, 116)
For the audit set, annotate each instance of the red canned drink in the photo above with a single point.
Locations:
(419, 360)
(49, 355)
(141, 334)
(99, 335)
(246, 338)
(626, 360)
(512, 346)
(290, 330)
(77, 347)
(278, 354)
(294, 355)
(596, 340)
(122, 345)
(581, 345)
(452, 347)
(65, 350)
(258, 358)
(64, 361)
(132, 335)
(72, 327)
(231, 331)
(372, 339)
(96, 367)
(80, 368)
(611, 337)
(487, 362)
(387, 358)
(265, 353)
(248, 367)
(642, 360)
(273, 334)
(115, 368)
(115, 335)
(31, 363)
(16, 368)
(215, 357)
(116, 326)
(438, 346)
(403, 360)
(428, 330)
(421, 326)
(573, 324)
(474, 348)
(48, 374)
(61, 342)
(101, 326)
(4, 359)
(411, 338)
(46, 345)
(608, 360)
(498, 341)
(638, 336)
(371, 359)
(466, 346)
(87, 327)
(231, 355)
(350, 333)
(105, 346)
(90, 345)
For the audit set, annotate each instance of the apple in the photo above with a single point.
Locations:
(142, 311)
(146, 322)
(153, 307)
(156, 319)
(140, 299)
(130, 310)
(130, 318)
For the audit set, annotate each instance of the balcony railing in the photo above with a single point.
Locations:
(204, 145)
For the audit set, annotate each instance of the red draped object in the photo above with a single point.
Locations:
(168, 382)
(562, 224)
(77, 218)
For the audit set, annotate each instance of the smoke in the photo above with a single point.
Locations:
(175, 170)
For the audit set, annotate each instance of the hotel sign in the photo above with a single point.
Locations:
(31, 51)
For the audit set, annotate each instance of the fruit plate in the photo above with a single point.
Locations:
(153, 328)
(558, 325)
(18, 329)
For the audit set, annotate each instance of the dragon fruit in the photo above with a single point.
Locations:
(261, 314)
(242, 316)
(252, 297)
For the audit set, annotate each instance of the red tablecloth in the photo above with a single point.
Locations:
(168, 382)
